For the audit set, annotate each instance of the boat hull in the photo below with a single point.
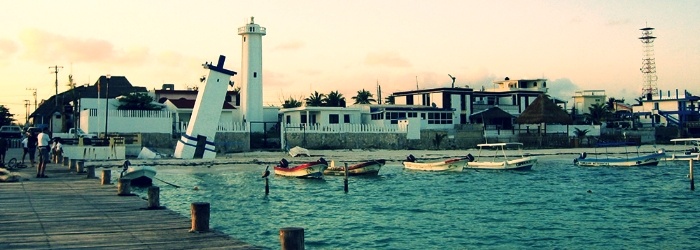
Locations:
(454, 165)
(306, 170)
(647, 160)
(525, 163)
(365, 168)
(140, 176)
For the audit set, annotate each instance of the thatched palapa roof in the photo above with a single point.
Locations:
(543, 110)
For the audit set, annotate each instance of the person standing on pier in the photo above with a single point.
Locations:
(31, 145)
(44, 145)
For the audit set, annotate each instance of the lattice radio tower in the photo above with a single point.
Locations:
(648, 63)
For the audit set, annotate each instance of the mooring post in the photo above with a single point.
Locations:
(153, 197)
(346, 177)
(106, 176)
(72, 165)
(124, 187)
(690, 175)
(200, 217)
(80, 169)
(267, 187)
(292, 238)
(91, 171)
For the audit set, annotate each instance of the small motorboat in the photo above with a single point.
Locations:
(502, 160)
(453, 164)
(628, 160)
(370, 167)
(140, 176)
(312, 169)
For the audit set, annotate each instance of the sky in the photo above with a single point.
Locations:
(347, 46)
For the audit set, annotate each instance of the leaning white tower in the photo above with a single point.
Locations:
(251, 73)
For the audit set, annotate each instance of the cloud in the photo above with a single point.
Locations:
(562, 88)
(295, 45)
(390, 59)
(44, 47)
(7, 48)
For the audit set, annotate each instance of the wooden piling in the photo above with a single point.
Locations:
(106, 176)
(124, 187)
(72, 165)
(153, 197)
(267, 187)
(80, 167)
(690, 175)
(292, 238)
(91, 171)
(200, 217)
(345, 181)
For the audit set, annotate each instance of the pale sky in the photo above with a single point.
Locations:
(348, 46)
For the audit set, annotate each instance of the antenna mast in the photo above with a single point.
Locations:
(648, 68)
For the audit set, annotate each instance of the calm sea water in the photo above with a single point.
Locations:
(548, 207)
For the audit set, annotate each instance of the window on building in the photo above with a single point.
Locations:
(288, 119)
(439, 118)
(346, 118)
(303, 118)
(412, 114)
(333, 119)
(409, 100)
(255, 74)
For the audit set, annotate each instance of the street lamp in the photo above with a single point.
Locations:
(107, 104)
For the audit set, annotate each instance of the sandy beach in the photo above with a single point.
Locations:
(342, 156)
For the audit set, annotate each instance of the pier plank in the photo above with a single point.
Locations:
(68, 210)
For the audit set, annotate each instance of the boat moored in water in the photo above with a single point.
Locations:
(140, 176)
(370, 167)
(501, 160)
(312, 169)
(452, 164)
(627, 160)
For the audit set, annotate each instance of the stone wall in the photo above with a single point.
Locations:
(226, 142)
(462, 137)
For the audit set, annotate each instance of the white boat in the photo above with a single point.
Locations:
(298, 151)
(628, 160)
(370, 167)
(453, 164)
(691, 152)
(140, 176)
(501, 160)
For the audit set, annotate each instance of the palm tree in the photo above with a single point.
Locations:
(291, 103)
(315, 99)
(334, 99)
(597, 113)
(390, 99)
(363, 97)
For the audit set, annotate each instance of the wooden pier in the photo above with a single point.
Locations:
(70, 211)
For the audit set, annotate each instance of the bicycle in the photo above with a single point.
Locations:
(13, 164)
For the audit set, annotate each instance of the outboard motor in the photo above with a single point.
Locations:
(470, 157)
(411, 158)
(583, 155)
(284, 163)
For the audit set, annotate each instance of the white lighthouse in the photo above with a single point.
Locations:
(198, 140)
(251, 73)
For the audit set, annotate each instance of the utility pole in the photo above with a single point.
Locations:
(55, 71)
(34, 94)
(26, 106)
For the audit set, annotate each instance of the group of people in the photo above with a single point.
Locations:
(41, 141)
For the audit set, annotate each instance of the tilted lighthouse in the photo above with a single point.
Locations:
(251, 73)
(198, 140)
